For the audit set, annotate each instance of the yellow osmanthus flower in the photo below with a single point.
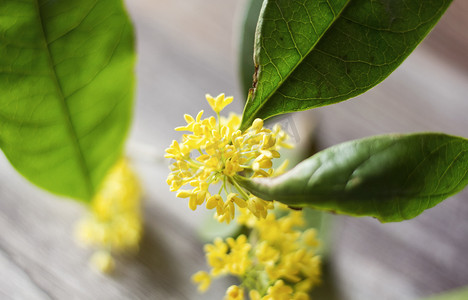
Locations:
(114, 223)
(203, 279)
(234, 293)
(276, 261)
(213, 152)
(218, 103)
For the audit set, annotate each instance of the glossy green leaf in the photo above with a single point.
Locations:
(247, 39)
(311, 53)
(66, 89)
(390, 177)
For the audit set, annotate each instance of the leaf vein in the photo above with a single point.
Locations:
(64, 106)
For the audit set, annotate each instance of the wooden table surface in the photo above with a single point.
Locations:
(187, 49)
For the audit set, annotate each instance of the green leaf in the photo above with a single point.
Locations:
(66, 89)
(458, 294)
(249, 24)
(390, 177)
(312, 53)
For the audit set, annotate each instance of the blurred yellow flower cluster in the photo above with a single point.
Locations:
(114, 223)
(276, 261)
(215, 151)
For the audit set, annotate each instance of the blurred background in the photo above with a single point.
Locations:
(189, 48)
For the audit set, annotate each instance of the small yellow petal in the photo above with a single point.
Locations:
(188, 118)
(199, 115)
(210, 100)
(240, 202)
(193, 202)
(234, 293)
(212, 201)
(184, 194)
(203, 279)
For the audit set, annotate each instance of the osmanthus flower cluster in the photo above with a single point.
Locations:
(276, 261)
(213, 152)
(114, 224)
